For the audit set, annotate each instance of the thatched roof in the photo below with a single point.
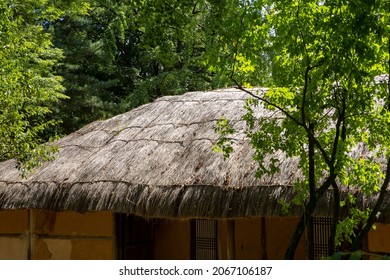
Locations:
(157, 161)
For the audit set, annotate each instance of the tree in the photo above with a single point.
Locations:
(121, 54)
(28, 87)
(326, 66)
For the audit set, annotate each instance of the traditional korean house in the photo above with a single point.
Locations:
(147, 185)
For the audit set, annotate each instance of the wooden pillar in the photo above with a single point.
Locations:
(231, 240)
(30, 234)
(220, 239)
(263, 240)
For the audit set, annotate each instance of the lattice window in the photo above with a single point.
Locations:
(319, 237)
(204, 239)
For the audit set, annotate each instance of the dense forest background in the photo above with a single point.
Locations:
(120, 54)
(117, 55)
(66, 63)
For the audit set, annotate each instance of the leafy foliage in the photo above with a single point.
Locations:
(224, 143)
(321, 61)
(357, 255)
(28, 87)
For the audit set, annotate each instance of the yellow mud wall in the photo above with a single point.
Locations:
(70, 235)
(278, 235)
(172, 240)
(248, 239)
(378, 241)
(249, 243)
(14, 236)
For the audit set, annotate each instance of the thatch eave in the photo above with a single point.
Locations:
(174, 201)
(157, 161)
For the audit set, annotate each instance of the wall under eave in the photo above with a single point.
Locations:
(70, 235)
(37, 234)
(378, 241)
(41, 235)
(249, 242)
(278, 234)
(14, 234)
(248, 239)
(172, 239)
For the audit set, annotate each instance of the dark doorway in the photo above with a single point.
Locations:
(135, 238)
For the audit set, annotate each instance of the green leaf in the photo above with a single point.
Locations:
(336, 256)
(356, 255)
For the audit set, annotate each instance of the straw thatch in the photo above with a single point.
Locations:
(157, 161)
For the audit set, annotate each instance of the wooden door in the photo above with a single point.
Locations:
(135, 238)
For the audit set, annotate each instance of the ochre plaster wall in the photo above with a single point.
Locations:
(70, 235)
(248, 239)
(278, 235)
(249, 243)
(172, 240)
(36, 234)
(14, 237)
(378, 240)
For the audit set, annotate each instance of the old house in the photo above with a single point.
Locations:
(147, 185)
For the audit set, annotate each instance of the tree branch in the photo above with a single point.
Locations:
(305, 219)
(336, 216)
(285, 112)
(374, 213)
(383, 190)
(288, 115)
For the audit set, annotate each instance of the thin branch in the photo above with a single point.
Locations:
(374, 213)
(336, 216)
(236, 48)
(285, 112)
(194, 11)
(305, 86)
(340, 126)
(308, 62)
(312, 165)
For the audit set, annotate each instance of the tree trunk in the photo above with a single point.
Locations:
(305, 219)
(300, 228)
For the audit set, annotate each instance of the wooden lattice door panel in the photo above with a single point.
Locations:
(204, 239)
(320, 231)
